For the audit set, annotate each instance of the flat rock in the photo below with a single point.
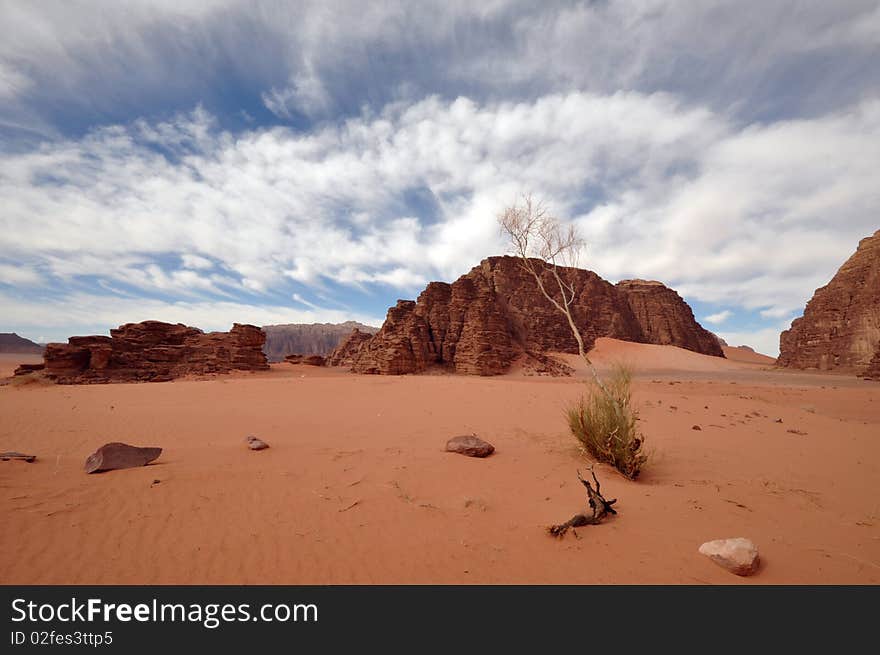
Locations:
(255, 443)
(118, 455)
(738, 555)
(11, 454)
(470, 445)
(153, 351)
(25, 369)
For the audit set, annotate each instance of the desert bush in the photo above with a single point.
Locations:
(604, 421)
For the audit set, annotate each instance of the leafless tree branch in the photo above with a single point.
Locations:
(543, 244)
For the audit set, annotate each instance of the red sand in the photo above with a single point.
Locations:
(356, 487)
(740, 354)
(10, 361)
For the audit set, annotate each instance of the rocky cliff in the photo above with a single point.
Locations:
(307, 339)
(496, 313)
(840, 328)
(347, 351)
(153, 351)
(666, 319)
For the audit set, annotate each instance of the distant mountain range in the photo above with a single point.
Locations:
(10, 342)
(307, 339)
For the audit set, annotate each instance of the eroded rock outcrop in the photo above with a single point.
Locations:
(496, 313)
(666, 319)
(840, 328)
(153, 351)
(347, 351)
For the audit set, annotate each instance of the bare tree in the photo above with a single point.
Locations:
(604, 423)
(543, 244)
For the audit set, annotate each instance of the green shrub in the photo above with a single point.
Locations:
(605, 423)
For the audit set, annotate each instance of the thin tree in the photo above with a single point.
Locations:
(604, 423)
(542, 244)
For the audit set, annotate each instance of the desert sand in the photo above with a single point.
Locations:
(10, 361)
(356, 487)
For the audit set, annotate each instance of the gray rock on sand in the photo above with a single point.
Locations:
(255, 443)
(11, 454)
(738, 555)
(470, 445)
(116, 455)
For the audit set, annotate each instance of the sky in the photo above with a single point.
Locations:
(287, 162)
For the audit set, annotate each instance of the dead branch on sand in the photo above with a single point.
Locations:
(599, 506)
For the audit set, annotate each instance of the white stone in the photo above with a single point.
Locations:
(738, 555)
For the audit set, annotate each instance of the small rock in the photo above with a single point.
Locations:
(738, 555)
(256, 444)
(470, 445)
(696, 427)
(11, 454)
(116, 455)
(779, 420)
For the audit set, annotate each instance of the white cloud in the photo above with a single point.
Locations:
(718, 318)
(305, 95)
(661, 189)
(196, 262)
(16, 275)
(312, 55)
(302, 301)
(762, 340)
(84, 313)
(12, 81)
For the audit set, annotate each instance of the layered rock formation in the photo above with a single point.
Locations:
(347, 351)
(311, 339)
(666, 319)
(840, 328)
(153, 351)
(496, 313)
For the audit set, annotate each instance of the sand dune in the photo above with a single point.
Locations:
(649, 358)
(740, 354)
(356, 487)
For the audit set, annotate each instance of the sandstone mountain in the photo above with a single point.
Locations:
(153, 351)
(840, 328)
(665, 318)
(308, 339)
(10, 342)
(494, 314)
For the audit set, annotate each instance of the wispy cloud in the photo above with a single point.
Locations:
(263, 150)
(718, 318)
(741, 213)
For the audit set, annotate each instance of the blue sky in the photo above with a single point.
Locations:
(274, 162)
